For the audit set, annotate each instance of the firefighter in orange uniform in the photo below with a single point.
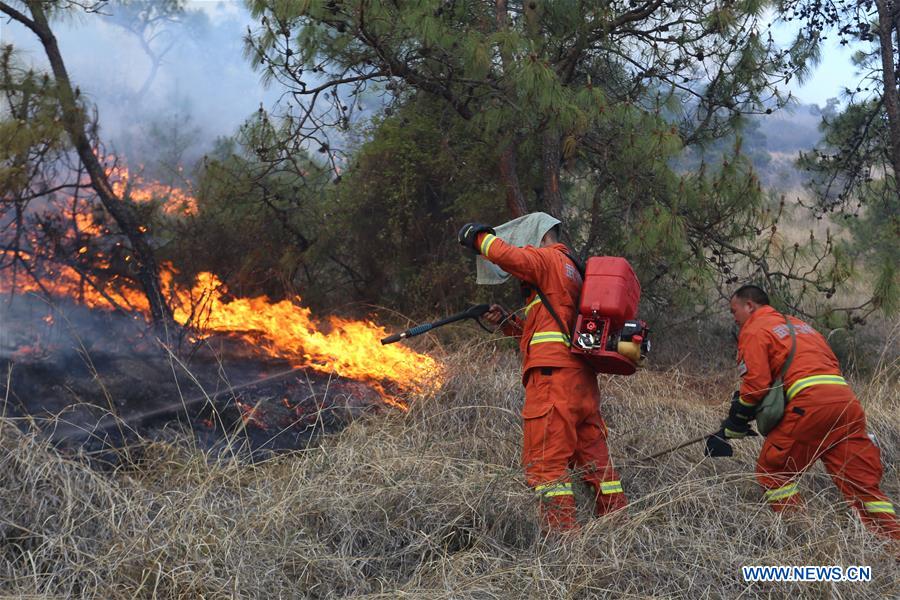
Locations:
(822, 417)
(562, 424)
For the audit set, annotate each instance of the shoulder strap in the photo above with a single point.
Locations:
(790, 358)
(563, 329)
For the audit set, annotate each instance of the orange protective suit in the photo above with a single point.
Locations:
(562, 426)
(822, 420)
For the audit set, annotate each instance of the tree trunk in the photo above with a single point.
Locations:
(550, 160)
(596, 222)
(73, 120)
(886, 10)
(550, 138)
(515, 201)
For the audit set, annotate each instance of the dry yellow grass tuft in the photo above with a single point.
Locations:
(432, 504)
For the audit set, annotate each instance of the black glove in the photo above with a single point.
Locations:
(737, 424)
(468, 235)
(717, 445)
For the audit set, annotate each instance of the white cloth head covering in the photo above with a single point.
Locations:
(524, 231)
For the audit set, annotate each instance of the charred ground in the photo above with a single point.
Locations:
(98, 381)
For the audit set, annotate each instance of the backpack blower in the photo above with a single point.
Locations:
(607, 333)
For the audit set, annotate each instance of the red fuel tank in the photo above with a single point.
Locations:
(611, 290)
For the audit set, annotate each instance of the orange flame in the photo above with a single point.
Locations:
(175, 201)
(286, 330)
(282, 329)
(62, 281)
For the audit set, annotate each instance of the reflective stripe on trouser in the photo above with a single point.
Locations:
(879, 506)
(611, 487)
(549, 490)
(557, 506)
(880, 516)
(563, 428)
(781, 494)
(801, 384)
(610, 497)
(543, 337)
(832, 427)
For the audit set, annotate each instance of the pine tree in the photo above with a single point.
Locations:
(855, 169)
(583, 108)
(73, 120)
(536, 78)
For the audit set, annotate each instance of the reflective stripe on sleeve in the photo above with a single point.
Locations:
(801, 384)
(531, 304)
(486, 243)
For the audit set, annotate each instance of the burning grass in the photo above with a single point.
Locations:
(431, 504)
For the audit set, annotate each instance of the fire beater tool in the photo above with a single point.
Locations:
(690, 442)
(474, 312)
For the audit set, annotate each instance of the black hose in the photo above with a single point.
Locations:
(471, 313)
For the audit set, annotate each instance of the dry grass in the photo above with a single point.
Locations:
(431, 504)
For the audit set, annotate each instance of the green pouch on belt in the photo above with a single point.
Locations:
(771, 409)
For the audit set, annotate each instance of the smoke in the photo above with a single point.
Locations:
(201, 89)
(793, 129)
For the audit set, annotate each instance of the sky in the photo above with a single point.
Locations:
(207, 77)
(826, 81)
(829, 77)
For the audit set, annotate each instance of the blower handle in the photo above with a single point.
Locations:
(473, 312)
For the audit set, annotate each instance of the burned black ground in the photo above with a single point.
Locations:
(96, 382)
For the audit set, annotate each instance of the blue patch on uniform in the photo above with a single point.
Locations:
(742, 369)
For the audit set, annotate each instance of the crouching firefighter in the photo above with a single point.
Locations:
(562, 424)
(821, 418)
